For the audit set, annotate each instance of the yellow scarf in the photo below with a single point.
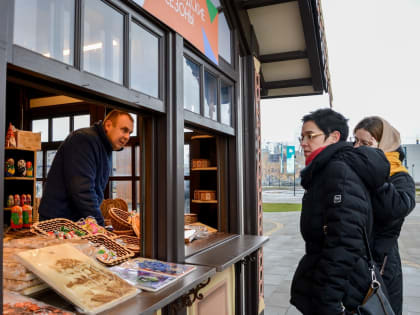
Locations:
(394, 161)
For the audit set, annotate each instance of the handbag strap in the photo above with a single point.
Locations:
(369, 253)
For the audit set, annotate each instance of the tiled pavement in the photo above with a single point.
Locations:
(286, 247)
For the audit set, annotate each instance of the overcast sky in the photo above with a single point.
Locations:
(374, 59)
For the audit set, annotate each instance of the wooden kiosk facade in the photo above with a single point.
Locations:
(74, 60)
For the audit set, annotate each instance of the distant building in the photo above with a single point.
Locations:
(412, 160)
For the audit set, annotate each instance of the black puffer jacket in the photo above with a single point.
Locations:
(334, 271)
(391, 204)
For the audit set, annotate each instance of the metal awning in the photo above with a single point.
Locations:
(291, 46)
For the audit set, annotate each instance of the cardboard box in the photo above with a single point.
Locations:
(28, 140)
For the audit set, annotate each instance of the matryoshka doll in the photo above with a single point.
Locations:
(22, 200)
(27, 216)
(29, 169)
(10, 201)
(16, 217)
(10, 167)
(21, 168)
(10, 137)
(17, 200)
(28, 199)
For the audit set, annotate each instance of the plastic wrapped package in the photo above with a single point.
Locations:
(14, 303)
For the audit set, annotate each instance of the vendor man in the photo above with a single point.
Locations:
(81, 168)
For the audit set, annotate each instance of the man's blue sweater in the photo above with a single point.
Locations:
(78, 176)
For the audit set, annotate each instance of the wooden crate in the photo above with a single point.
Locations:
(28, 140)
(204, 195)
(200, 163)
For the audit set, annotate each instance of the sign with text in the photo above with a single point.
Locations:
(195, 20)
(290, 161)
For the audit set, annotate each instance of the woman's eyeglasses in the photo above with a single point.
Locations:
(365, 143)
(309, 136)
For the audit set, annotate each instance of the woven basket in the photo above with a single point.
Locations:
(35, 213)
(130, 242)
(52, 225)
(122, 253)
(120, 204)
(124, 232)
(106, 205)
(120, 219)
(190, 218)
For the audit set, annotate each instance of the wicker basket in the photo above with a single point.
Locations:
(130, 242)
(120, 204)
(35, 213)
(190, 218)
(52, 225)
(124, 232)
(120, 219)
(122, 253)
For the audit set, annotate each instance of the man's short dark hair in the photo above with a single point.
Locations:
(328, 121)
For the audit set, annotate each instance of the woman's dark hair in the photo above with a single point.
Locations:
(329, 121)
(373, 125)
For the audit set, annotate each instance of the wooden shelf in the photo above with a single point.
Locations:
(211, 168)
(204, 201)
(19, 149)
(201, 137)
(19, 178)
(7, 209)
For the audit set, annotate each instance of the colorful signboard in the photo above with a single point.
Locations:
(290, 162)
(195, 20)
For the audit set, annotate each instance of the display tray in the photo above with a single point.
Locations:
(130, 242)
(121, 253)
(77, 277)
(52, 225)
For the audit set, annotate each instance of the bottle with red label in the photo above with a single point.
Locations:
(27, 216)
(16, 217)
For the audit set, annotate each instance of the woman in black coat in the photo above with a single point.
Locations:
(332, 277)
(391, 203)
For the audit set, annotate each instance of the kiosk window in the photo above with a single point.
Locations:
(210, 96)
(226, 104)
(191, 86)
(47, 27)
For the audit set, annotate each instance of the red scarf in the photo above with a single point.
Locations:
(313, 155)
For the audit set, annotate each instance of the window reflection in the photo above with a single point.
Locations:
(81, 121)
(144, 61)
(121, 162)
(123, 190)
(41, 125)
(47, 27)
(224, 38)
(226, 104)
(61, 128)
(191, 86)
(103, 40)
(210, 96)
(50, 158)
(38, 189)
(39, 163)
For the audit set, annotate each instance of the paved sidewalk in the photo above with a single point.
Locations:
(286, 247)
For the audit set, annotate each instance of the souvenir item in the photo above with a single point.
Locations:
(80, 279)
(29, 169)
(10, 137)
(10, 167)
(17, 200)
(146, 280)
(14, 303)
(26, 216)
(28, 199)
(16, 217)
(21, 168)
(166, 268)
(22, 199)
(10, 201)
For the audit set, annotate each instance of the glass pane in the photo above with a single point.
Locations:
(41, 126)
(138, 159)
(226, 104)
(191, 86)
(39, 164)
(103, 40)
(61, 128)
(38, 190)
(210, 96)
(134, 134)
(81, 121)
(138, 197)
(50, 158)
(186, 160)
(47, 27)
(224, 38)
(123, 190)
(144, 61)
(186, 196)
(121, 162)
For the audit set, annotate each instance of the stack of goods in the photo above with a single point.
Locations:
(84, 282)
(14, 303)
(15, 276)
(149, 274)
